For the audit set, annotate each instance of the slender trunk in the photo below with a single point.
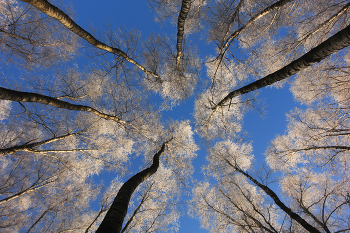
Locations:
(333, 44)
(185, 8)
(7, 94)
(54, 12)
(278, 202)
(113, 221)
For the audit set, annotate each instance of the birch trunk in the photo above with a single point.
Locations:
(333, 44)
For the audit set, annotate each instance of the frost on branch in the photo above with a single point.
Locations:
(226, 155)
(154, 204)
(181, 149)
(332, 83)
(38, 192)
(169, 9)
(29, 39)
(315, 137)
(224, 121)
(5, 107)
(319, 197)
(176, 82)
(234, 206)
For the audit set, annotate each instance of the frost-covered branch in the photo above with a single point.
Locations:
(333, 44)
(29, 146)
(267, 10)
(35, 186)
(136, 210)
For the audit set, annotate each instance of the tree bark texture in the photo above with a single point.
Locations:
(113, 221)
(7, 94)
(54, 12)
(333, 44)
(185, 8)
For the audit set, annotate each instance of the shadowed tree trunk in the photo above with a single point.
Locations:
(185, 8)
(7, 94)
(113, 221)
(54, 12)
(333, 44)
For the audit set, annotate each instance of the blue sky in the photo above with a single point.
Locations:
(135, 14)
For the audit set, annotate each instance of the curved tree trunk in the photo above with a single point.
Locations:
(54, 12)
(333, 44)
(185, 8)
(113, 221)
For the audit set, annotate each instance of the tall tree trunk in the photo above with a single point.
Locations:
(54, 12)
(113, 221)
(333, 44)
(185, 8)
(7, 94)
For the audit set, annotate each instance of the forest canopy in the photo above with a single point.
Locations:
(92, 138)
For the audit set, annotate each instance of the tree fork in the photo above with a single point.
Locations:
(333, 44)
(113, 221)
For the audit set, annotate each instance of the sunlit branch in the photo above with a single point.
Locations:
(102, 210)
(32, 188)
(29, 146)
(234, 15)
(248, 215)
(328, 21)
(344, 148)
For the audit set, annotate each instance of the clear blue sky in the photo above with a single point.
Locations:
(136, 14)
